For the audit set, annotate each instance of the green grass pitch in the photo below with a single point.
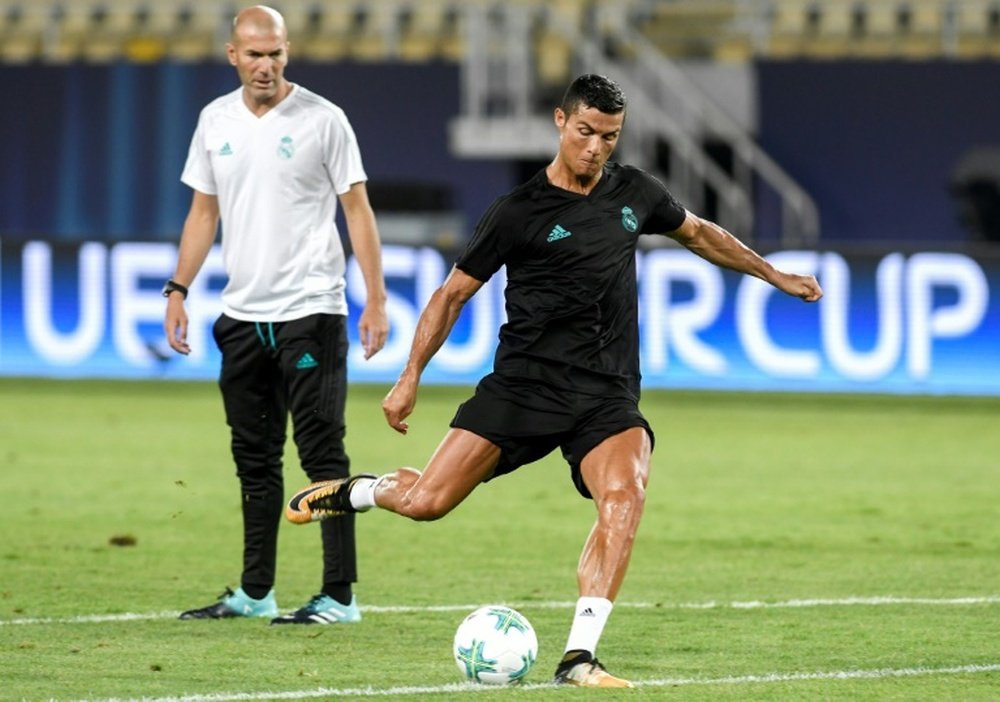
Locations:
(794, 547)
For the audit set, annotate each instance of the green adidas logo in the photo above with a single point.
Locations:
(307, 361)
(226, 150)
(558, 233)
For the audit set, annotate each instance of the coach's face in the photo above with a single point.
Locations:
(587, 138)
(260, 57)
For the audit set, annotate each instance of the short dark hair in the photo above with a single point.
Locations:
(591, 90)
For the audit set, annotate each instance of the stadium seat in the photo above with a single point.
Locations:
(875, 29)
(452, 40)
(71, 24)
(977, 26)
(927, 17)
(879, 21)
(297, 14)
(923, 37)
(377, 32)
(554, 59)
(790, 27)
(190, 30)
(553, 47)
(23, 26)
(836, 29)
(425, 29)
(734, 46)
(570, 12)
(164, 17)
(125, 16)
(332, 27)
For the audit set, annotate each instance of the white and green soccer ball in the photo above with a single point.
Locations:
(495, 645)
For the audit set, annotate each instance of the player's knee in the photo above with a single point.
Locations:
(421, 506)
(423, 511)
(633, 493)
(623, 503)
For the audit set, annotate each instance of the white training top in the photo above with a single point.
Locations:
(277, 178)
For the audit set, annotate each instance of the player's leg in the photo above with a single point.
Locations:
(313, 359)
(464, 458)
(461, 462)
(615, 472)
(255, 412)
(507, 423)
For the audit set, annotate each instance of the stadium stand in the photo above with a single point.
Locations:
(421, 30)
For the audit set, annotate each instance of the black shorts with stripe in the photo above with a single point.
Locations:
(528, 415)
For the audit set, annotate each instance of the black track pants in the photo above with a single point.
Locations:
(271, 370)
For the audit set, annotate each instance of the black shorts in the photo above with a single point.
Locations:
(528, 419)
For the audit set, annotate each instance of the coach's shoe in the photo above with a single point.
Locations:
(583, 670)
(323, 609)
(235, 604)
(327, 498)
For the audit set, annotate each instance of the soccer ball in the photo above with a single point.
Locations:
(495, 645)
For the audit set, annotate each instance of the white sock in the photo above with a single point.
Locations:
(363, 493)
(588, 623)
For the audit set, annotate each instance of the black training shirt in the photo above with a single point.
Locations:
(571, 294)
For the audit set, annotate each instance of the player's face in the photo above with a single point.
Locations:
(260, 59)
(586, 139)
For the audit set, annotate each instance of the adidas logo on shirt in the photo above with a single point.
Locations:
(226, 150)
(558, 233)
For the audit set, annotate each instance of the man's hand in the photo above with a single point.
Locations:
(399, 403)
(175, 325)
(804, 287)
(373, 328)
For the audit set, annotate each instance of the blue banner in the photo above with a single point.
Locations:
(915, 322)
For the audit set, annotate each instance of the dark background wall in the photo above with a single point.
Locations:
(877, 142)
(96, 152)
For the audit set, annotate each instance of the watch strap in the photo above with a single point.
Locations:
(173, 286)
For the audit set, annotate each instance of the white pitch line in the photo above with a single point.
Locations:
(877, 674)
(867, 601)
(876, 601)
(91, 618)
(408, 609)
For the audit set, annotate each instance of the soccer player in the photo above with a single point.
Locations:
(566, 372)
(272, 159)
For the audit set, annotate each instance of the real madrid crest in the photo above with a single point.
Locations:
(629, 220)
(285, 149)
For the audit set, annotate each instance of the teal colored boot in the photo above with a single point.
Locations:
(235, 604)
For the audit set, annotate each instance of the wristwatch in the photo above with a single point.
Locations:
(171, 286)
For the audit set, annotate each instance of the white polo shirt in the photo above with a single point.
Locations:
(277, 178)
